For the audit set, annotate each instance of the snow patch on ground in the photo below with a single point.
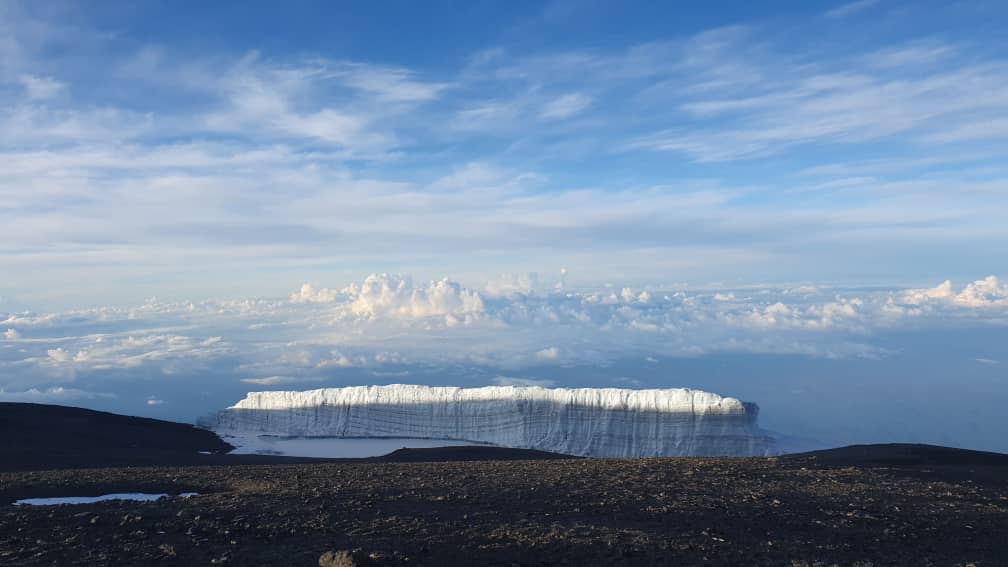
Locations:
(136, 496)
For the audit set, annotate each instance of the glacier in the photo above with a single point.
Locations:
(592, 422)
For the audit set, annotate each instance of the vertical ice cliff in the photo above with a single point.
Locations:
(606, 422)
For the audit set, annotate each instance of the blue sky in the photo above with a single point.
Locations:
(158, 149)
(468, 189)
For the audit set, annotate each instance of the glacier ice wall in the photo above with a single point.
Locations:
(606, 422)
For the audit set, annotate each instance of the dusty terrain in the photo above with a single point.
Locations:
(927, 508)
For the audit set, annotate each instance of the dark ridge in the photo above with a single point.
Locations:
(930, 462)
(466, 453)
(64, 427)
(902, 454)
(42, 436)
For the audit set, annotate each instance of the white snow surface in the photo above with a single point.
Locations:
(596, 422)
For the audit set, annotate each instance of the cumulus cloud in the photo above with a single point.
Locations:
(629, 295)
(308, 294)
(511, 284)
(979, 294)
(941, 291)
(11, 334)
(28, 319)
(154, 401)
(984, 293)
(337, 361)
(138, 349)
(395, 296)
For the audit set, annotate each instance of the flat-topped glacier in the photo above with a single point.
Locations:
(596, 422)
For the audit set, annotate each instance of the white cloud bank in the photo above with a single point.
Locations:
(985, 294)
(510, 381)
(387, 321)
(200, 356)
(54, 395)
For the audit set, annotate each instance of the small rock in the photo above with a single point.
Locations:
(341, 558)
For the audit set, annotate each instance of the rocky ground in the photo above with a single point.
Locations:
(804, 510)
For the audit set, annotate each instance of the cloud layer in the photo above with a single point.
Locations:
(781, 347)
(388, 321)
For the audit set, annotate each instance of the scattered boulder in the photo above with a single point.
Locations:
(340, 558)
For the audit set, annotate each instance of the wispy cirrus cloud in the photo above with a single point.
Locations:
(909, 93)
(630, 158)
(850, 8)
(566, 106)
(40, 88)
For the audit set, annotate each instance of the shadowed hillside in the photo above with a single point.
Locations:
(40, 436)
(54, 436)
(903, 454)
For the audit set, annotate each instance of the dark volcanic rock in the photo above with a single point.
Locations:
(686, 511)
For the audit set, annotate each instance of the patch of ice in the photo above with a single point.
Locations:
(136, 496)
